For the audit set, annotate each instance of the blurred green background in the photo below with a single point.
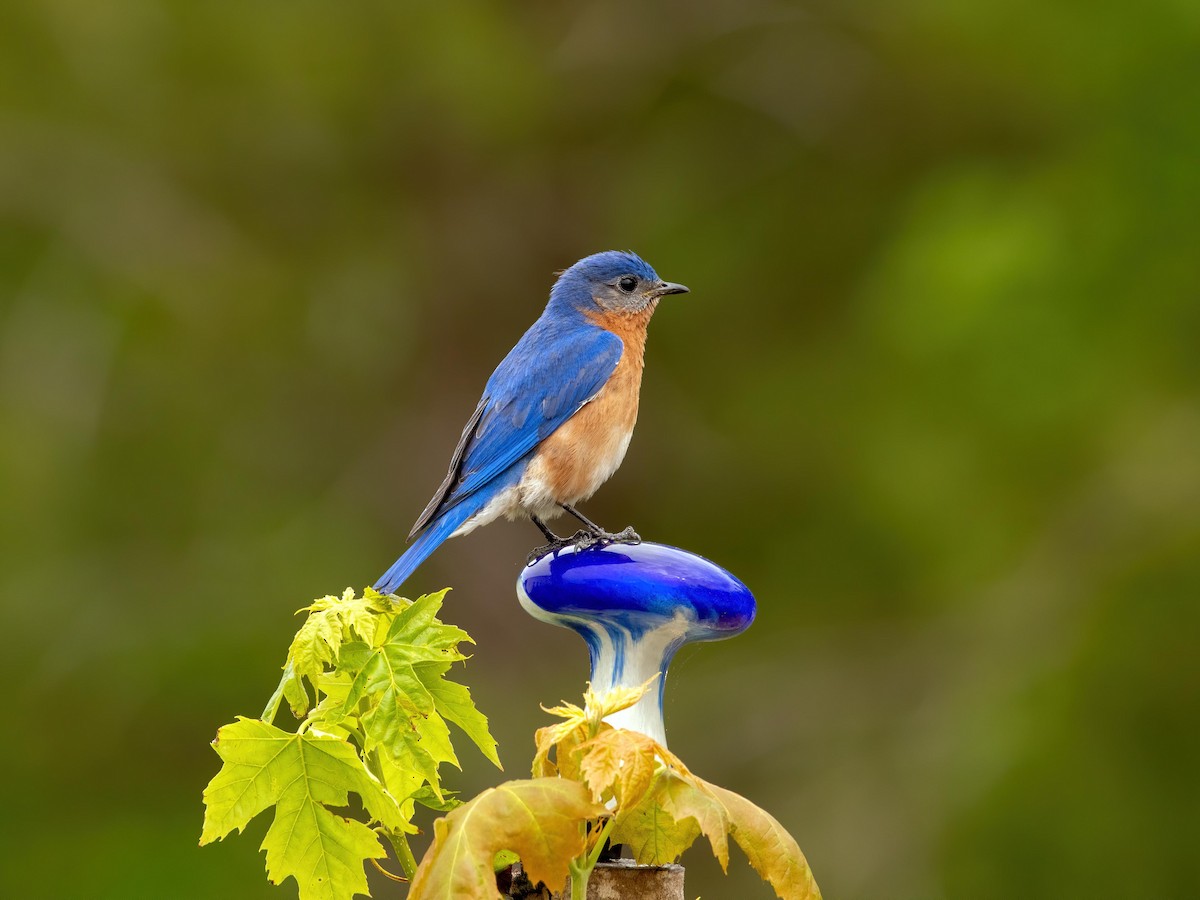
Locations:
(933, 397)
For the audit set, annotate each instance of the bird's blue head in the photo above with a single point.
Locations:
(611, 282)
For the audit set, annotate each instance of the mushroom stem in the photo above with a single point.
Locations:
(629, 657)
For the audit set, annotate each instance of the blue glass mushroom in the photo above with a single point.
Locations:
(635, 605)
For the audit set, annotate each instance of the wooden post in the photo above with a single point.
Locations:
(623, 879)
(620, 879)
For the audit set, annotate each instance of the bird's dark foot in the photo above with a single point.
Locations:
(627, 536)
(580, 539)
(602, 537)
(584, 540)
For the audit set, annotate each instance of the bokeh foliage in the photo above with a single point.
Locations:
(933, 397)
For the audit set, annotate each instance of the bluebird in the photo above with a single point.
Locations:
(556, 416)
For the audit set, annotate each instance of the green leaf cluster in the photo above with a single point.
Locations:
(365, 678)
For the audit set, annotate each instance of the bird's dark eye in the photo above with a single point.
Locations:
(627, 284)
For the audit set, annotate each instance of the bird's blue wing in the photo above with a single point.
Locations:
(553, 370)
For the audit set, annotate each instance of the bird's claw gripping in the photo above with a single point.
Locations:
(575, 540)
(582, 540)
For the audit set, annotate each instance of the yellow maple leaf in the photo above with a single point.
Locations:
(684, 796)
(541, 820)
(652, 834)
(600, 705)
(580, 723)
(772, 852)
(620, 761)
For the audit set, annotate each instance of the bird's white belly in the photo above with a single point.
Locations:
(506, 503)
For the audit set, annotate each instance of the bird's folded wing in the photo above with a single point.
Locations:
(544, 381)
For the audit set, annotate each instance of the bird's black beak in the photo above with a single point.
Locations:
(667, 287)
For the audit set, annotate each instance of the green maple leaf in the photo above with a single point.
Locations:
(415, 636)
(367, 677)
(389, 691)
(408, 759)
(453, 701)
(403, 699)
(302, 775)
(332, 621)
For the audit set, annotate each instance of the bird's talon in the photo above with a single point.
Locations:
(546, 550)
(627, 536)
(585, 539)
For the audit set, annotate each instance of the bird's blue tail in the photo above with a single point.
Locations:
(426, 542)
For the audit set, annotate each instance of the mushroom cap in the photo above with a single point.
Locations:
(637, 587)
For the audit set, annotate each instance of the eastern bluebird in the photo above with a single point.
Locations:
(556, 416)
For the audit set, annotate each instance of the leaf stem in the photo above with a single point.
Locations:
(601, 840)
(579, 880)
(268, 714)
(404, 854)
(388, 874)
(581, 867)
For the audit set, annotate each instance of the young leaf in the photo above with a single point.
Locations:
(772, 852)
(393, 694)
(445, 803)
(301, 775)
(605, 703)
(540, 820)
(579, 724)
(397, 688)
(595, 707)
(286, 684)
(575, 720)
(653, 835)
(418, 626)
(621, 761)
(331, 622)
(565, 747)
(370, 615)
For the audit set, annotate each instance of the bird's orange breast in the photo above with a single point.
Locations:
(588, 448)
